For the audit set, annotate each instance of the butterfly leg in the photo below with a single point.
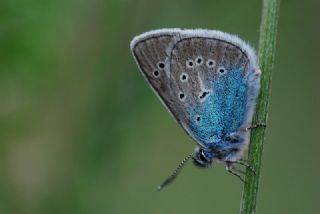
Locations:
(258, 125)
(254, 126)
(234, 171)
(243, 164)
(239, 171)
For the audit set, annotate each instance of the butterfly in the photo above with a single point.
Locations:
(209, 81)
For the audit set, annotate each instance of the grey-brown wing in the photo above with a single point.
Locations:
(204, 81)
(152, 52)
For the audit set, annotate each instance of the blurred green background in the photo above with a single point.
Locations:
(81, 131)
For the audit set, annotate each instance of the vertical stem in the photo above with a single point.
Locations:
(267, 46)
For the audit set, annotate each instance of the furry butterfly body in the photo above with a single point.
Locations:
(209, 81)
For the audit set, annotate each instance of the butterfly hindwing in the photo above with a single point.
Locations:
(222, 82)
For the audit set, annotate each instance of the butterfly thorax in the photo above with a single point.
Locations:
(228, 146)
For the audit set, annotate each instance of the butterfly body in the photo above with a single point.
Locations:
(208, 80)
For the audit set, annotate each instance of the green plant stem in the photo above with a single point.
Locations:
(267, 46)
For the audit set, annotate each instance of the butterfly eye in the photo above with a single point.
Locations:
(203, 157)
(189, 63)
(198, 118)
(184, 77)
(211, 63)
(156, 73)
(161, 65)
(199, 60)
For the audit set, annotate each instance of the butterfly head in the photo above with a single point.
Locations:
(202, 158)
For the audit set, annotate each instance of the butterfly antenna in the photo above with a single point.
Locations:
(175, 172)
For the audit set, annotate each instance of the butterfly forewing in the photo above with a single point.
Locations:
(151, 51)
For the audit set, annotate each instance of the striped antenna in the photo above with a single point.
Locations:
(175, 172)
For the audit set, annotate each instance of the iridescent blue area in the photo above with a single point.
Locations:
(223, 111)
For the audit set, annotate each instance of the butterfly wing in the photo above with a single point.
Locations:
(151, 51)
(222, 87)
(184, 69)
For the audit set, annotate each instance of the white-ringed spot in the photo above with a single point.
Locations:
(161, 65)
(184, 77)
(222, 70)
(199, 60)
(189, 63)
(211, 63)
(156, 73)
(182, 96)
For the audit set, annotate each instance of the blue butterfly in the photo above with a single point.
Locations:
(209, 81)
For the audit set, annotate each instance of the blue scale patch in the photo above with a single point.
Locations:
(223, 111)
